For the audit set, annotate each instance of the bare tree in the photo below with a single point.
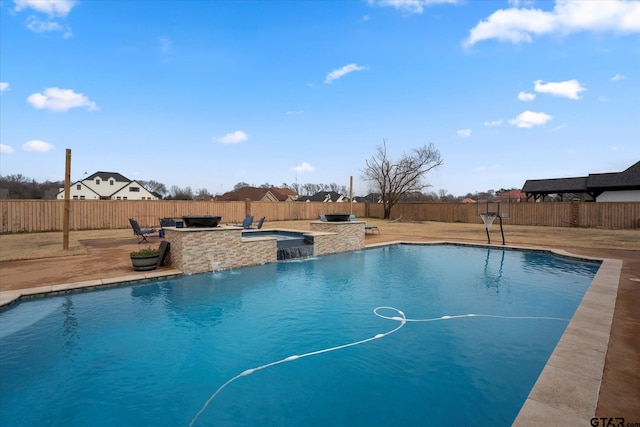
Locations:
(394, 179)
(202, 194)
(177, 193)
(310, 189)
(240, 185)
(155, 187)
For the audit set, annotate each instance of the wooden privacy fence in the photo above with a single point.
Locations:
(611, 215)
(47, 215)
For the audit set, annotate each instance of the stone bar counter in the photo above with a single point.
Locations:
(200, 249)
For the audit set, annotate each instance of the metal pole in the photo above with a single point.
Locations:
(67, 201)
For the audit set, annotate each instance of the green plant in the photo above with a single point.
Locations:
(145, 252)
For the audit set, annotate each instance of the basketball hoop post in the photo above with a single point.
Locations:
(490, 215)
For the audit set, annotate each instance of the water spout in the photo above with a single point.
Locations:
(215, 265)
(295, 252)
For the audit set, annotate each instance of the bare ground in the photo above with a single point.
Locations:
(47, 245)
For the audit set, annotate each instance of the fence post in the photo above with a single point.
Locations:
(575, 213)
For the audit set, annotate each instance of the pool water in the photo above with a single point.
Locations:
(171, 352)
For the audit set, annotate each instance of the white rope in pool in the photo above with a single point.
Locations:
(400, 317)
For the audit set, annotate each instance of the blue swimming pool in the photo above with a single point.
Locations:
(371, 338)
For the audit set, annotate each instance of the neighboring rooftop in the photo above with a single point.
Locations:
(593, 184)
(324, 196)
(259, 194)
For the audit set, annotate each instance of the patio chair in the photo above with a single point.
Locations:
(246, 224)
(260, 223)
(370, 228)
(165, 222)
(139, 232)
(323, 218)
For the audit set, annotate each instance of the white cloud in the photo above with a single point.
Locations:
(304, 167)
(56, 99)
(411, 6)
(618, 77)
(529, 119)
(494, 123)
(37, 145)
(50, 7)
(341, 72)
(524, 96)
(569, 89)
(464, 133)
(4, 86)
(165, 44)
(6, 149)
(38, 26)
(518, 25)
(233, 137)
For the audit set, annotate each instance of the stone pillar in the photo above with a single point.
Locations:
(337, 236)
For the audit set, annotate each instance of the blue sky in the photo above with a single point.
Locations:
(207, 94)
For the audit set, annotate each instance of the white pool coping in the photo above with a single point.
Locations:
(567, 390)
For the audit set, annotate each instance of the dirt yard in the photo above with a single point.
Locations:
(47, 245)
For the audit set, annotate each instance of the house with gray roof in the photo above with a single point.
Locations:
(324, 196)
(600, 187)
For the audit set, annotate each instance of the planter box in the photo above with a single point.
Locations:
(145, 263)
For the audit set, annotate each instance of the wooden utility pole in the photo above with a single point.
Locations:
(67, 201)
(351, 195)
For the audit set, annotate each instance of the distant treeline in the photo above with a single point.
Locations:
(21, 187)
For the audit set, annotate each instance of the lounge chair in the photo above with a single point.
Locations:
(139, 232)
(165, 222)
(260, 222)
(367, 228)
(323, 218)
(246, 224)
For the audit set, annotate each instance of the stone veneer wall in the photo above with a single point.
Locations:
(196, 250)
(346, 236)
(192, 250)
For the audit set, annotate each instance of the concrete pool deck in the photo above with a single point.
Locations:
(594, 370)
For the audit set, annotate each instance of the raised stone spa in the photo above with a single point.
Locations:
(197, 250)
